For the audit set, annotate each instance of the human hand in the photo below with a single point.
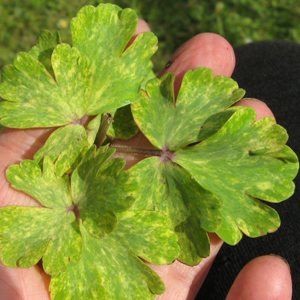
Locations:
(266, 277)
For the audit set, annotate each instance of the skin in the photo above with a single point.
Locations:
(266, 278)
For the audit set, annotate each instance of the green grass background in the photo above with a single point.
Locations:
(240, 21)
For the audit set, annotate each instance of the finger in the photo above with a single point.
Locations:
(265, 277)
(183, 282)
(204, 50)
(142, 26)
(261, 108)
(29, 283)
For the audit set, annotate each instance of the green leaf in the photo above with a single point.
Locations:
(117, 254)
(24, 238)
(111, 238)
(123, 125)
(28, 234)
(97, 190)
(243, 162)
(47, 41)
(215, 122)
(102, 34)
(64, 147)
(23, 233)
(193, 240)
(99, 74)
(169, 189)
(152, 232)
(97, 181)
(35, 99)
(226, 153)
(172, 124)
(92, 129)
(42, 184)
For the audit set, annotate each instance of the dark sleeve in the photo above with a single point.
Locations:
(269, 71)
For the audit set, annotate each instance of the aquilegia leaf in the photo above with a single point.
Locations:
(219, 151)
(64, 147)
(168, 188)
(85, 217)
(172, 124)
(100, 73)
(109, 270)
(29, 233)
(241, 163)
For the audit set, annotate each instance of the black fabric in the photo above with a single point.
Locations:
(269, 71)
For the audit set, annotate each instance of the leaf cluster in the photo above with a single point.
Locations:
(210, 167)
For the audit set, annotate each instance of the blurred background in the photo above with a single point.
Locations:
(240, 21)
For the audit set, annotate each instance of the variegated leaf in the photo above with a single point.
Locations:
(171, 123)
(28, 234)
(47, 41)
(167, 188)
(242, 162)
(42, 184)
(222, 148)
(34, 98)
(123, 125)
(110, 269)
(65, 147)
(100, 73)
(103, 34)
(111, 237)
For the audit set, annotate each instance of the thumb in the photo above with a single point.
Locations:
(265, 277)
(183, 282)
(23, 284)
